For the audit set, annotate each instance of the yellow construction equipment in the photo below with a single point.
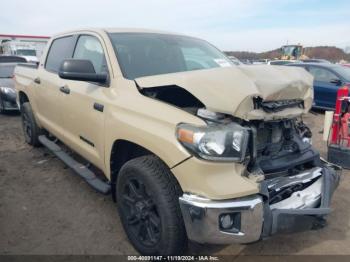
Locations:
(292, 52)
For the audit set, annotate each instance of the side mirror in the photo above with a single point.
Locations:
(81, 70)
(337, 82)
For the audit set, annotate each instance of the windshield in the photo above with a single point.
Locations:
(26, 52)
(343, 71)
(146, 54)
(6, 71)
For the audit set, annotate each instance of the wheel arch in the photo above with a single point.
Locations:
(123, 151)
(22, 98)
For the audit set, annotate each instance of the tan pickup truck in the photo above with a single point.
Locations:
(190, 145)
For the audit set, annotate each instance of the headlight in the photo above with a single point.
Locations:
(7, 90)
(215, 142)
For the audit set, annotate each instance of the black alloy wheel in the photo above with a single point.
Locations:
(147, 196)
(142, 215)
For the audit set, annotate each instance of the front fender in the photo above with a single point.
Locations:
(148, 123)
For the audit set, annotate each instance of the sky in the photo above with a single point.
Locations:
(246, 25)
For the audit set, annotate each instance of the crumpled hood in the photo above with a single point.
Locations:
(231, 89)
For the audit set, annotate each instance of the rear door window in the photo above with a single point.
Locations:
(61, 49)
(90, 48)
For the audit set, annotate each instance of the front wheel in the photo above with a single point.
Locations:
(147, 196)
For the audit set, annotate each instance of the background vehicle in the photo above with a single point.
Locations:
(26, 50)
(191, 146)
(12, 59)
(7, 89)
(292, 52)
(260, 61)
(327, 80)
(313, 60)
(280, 62)
(235, 60)
(246, 61)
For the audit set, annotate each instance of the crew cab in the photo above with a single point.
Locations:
(191, 147)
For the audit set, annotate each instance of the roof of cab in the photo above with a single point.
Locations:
(116, 30)
(136, 30)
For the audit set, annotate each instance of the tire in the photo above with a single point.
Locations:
(2, 108)
(29, 125)
(148, 204)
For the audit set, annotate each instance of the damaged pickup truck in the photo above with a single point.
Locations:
(190, 146)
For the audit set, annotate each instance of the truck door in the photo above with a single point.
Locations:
(84, 104)
(47, 83)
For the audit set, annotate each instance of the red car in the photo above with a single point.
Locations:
(347, 65)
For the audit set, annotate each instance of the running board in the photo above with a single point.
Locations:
(77, 167)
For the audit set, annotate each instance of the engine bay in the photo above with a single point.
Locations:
(282, 147)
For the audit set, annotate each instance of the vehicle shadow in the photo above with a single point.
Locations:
(203, 249)
(332, 238)
(322, 241)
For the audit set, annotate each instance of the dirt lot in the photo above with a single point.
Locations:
(46, 209)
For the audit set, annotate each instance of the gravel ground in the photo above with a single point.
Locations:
(46, 209)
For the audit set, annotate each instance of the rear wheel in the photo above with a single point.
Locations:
(147, 195)
(30, 128)
(2, 108)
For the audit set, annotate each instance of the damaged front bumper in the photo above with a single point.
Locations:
(251, 218)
